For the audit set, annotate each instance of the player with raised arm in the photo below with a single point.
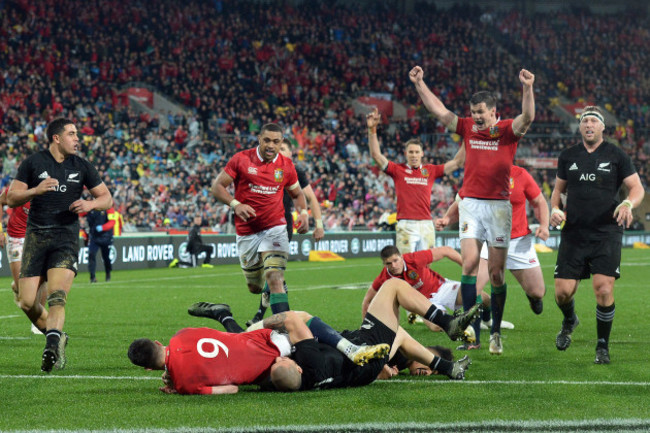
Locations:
(485, 210)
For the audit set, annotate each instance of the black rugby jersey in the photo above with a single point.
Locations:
(52, 208)
(593, 183)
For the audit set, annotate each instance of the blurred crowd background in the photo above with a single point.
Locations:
(232, 66)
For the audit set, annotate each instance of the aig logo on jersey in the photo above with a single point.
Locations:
(72, 176)
(587, 177)
(279, 175)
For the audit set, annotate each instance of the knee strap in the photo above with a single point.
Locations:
(58, 297)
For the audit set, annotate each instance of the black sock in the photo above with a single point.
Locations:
(441, 365)
(604, 319)
(498, 303)
(437, 316)
(231, 326)
(52, 337)
(568, 310)
(486, 314)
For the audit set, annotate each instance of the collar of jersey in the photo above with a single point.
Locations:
(257, 151)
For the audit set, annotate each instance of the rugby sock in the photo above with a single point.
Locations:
(52, 338)
(498, 303)
(441, 365)
(468, 292)
(262, 309)
(279, 302)
(604, 319)
(568, 310)
(486, 314)
(438, 316)
(231, 326)
(325, 333)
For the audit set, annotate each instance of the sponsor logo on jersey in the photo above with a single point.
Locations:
(494, 131)
(604, 166)
(415, 181)
(574, 166)
(279, 175)
(43, 175)
(484, 145)
(425, 172)
(252, 170)
(367, 324)
(587, 177)
(412, 275)
(72, 176)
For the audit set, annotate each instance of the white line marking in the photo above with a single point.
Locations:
(412, 381)
(14, 338)
(10, 316)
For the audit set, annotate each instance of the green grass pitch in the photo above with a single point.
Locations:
(531, 387)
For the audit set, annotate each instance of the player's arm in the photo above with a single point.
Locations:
(522, 122)
(300, 203)
(457, 162)
(440, 253)
(370, 294)
(450, 217)
(431, 101)
(312, 201)
(623, 212)
(102, 200)
(540, 208)
(19, 194)
(373, 119)
(220, 192)
(557, 215)
(224, 389)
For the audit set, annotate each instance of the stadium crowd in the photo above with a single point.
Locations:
(235, 65)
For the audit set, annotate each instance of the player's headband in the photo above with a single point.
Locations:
(595, 114)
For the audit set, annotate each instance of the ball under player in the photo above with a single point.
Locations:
(260, 176)
(591, 174)
(485, 211)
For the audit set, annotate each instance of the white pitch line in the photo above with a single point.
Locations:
(412, 381)
(11, 316)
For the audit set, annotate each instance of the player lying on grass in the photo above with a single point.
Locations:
(317, 365)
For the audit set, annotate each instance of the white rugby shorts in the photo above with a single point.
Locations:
(15, 249)
(249, 246)
(521, 253)
(415, 235)
(446, 296)
(485, 220)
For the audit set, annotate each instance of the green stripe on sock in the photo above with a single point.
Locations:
(499, 289)
(468, 279)
(277, 298)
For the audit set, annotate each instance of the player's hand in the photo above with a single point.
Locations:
(557, 217)
(81, 206)
(245, 212)
(387, 372)
(303, 223)
(373, 118)
(542, 232)
(623, 214)
(318, 234)
(526, 77)
(47, 185)
(416, 75)
(441, 223)
(168, 390)
(3, 240)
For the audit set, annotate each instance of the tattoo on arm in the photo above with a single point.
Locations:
(276, 322)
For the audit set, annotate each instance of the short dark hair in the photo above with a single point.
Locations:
(142, 352)
(484, 96)
(415, 141)
(387, 251)
(286, 141)
(56, 127)
(272, 127)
